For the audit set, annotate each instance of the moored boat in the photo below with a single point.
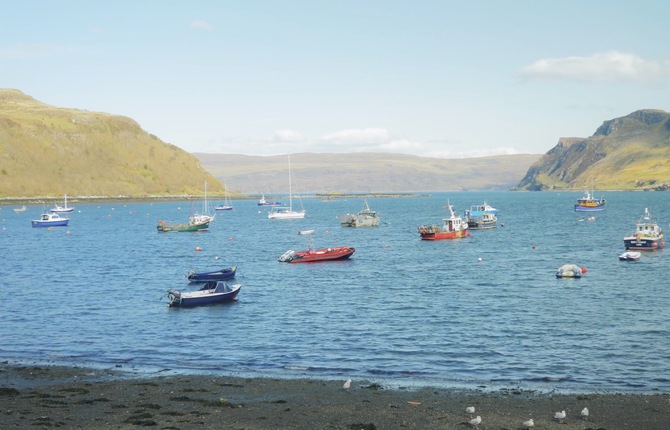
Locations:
(205, 216)
(648, 235)
(162, 227)
(227, 205)
(314, 255)
(263, 202)
(570, 271)
(50, 220)
(216, 275)
(281, 212)
(481, 222)
(589, 203)
(630, 256)
(212, 292)
(452, 228)
(485, 208)
(21, 209)
(62, 209)
(365, 218)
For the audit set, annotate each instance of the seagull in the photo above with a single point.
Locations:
(528, 424)
(560, 416)
(347, 384)
(475, 421)
(585, 414)
(470, 410)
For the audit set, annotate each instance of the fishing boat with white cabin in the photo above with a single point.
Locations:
(648, 235)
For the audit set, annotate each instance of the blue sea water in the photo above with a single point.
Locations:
(485, 311)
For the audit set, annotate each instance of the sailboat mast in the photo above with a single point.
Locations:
(290, 191)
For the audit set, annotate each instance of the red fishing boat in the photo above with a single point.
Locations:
(452, 228)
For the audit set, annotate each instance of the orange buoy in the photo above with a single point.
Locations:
(198, 249)
(583, 269)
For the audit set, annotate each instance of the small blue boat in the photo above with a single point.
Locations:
(213, 292)
(50, 220)
(216, 275)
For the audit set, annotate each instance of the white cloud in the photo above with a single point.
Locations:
(200, 24)
(358, 137)
(287, 136)
(612, 66)
(346, 141)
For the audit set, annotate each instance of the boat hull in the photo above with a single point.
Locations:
(442, 235)
(286, 215)
(166, 228)
(318, 255)
(597, 208)
(205, 296)
(634, 243)
(630, 256)
(59, 223)
(217, 275)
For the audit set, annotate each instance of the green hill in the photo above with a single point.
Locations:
(627, 153)
(47, 151)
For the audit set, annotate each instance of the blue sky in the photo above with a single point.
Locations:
(431, 78)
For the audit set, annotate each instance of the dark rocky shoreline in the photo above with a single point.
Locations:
(80, 398)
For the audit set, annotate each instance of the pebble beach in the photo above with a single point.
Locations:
(78, 398)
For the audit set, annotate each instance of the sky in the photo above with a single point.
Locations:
(434, 78)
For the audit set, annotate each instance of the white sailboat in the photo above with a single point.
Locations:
(205, 215)
(62, 209)
(227, 205)
(287, 212)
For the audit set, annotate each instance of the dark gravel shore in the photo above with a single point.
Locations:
(41, 397)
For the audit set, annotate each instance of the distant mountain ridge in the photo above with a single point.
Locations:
(626, 153)
(365, 172)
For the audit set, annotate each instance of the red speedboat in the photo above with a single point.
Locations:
(314, 255)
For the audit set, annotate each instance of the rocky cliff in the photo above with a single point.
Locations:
(626, 153)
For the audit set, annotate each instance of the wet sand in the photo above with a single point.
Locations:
(43, 397)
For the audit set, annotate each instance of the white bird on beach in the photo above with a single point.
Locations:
(476, 421)
(560, 416)
(347, 384)
(585, 414)
(470, 410)
(528, 424)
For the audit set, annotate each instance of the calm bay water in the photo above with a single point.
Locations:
(400, 312)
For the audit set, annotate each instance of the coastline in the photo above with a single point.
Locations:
(37, 201)
(74, 397)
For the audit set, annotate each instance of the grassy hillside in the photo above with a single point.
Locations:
(627, 153)
(365, 172)
(46, 151)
